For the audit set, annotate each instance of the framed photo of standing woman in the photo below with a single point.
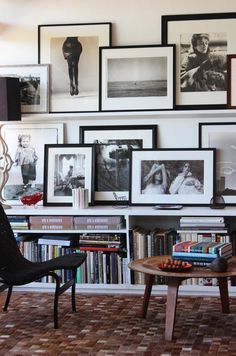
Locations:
(172, 176)
(72, 50)
(202, 44)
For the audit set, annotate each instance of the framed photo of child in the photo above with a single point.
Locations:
(26, 148)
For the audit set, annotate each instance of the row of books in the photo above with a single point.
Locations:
(146, 243)
(104, 267)
(76, 222)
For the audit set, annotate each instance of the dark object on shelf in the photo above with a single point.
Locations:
(217, 202)
(10, 106)
(16, 270)
(219, 264)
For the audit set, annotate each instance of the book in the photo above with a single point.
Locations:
(115, 226)
(58, 240)
(98, 220)
(51, 222)
(199, 219)
(103, 248)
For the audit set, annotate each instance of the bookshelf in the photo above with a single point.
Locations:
(132, 216)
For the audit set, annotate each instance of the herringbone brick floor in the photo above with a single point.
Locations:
(107, 325)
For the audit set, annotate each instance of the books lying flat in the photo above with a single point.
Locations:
(202, 219)
(98, 220)
(58, 240)
(192, 250)
(51, 222)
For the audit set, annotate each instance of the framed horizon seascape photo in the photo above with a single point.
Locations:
(26, 148)
(112, 146)
(71, 167)
(137, 78)
(172, 176)
(222, 137)
(34, 85)
(203, 42)
(72, 50)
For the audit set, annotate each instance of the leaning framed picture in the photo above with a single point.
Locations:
(222, 137)
(26, 148)
(67, 167)
(34, 85)
(112, 145)
(137, 78)
(231, 80)
(172, 176)
(202, 44)
(72, 50)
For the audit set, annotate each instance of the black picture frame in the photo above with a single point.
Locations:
(137, 78)
(111, 184)
(222, 137)
(195, 90)
(58, 183)
(53, 49)
(231, 71)
(172, 176)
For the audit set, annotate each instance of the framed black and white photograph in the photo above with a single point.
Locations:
(231, 81)
(26, 148)
(112, 145)
(67, 167)
(137, 78)
(172, 176)
(222, 137)
(202, 44)
(72, 50)
(34, 86)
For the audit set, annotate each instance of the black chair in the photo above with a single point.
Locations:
(16, 270)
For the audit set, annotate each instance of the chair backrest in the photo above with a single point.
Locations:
(10, 255)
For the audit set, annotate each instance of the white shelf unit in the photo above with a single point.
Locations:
(132, 215)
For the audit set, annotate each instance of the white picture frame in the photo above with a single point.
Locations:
(39, 134)
(34, 86)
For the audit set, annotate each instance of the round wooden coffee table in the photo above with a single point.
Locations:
(149, 266)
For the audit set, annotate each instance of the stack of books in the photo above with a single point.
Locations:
(18, 222)
(201, 253)
(203, 228)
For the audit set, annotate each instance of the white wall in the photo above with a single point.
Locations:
(133, 22)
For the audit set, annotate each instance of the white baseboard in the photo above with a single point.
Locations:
(184, 290)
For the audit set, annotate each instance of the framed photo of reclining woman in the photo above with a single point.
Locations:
(172, 176)
(202, 44)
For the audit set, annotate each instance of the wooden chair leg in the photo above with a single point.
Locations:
(7, 301)
(56, 299)
(73, 303)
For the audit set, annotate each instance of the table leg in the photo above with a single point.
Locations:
(224, 295)
(172, 294)
(147, 293)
